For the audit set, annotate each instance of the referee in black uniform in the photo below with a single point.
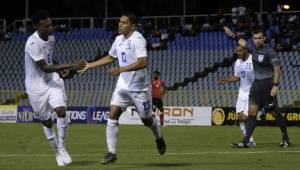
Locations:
(263, 92)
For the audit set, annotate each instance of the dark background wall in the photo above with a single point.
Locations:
(15, 9)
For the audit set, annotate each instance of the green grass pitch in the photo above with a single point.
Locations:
(23, 146)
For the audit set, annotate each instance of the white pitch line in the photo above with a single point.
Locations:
(246, 152)
(171, 153)
(24, 155)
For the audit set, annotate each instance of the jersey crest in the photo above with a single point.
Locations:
(260, 57)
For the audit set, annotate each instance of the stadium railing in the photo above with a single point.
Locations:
(156, 21)
(77, 22)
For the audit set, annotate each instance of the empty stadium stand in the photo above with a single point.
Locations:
(184, 57)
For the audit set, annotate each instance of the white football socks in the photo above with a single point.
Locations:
(51, 137)
(111, 135)
(155, 128)
(61, 131)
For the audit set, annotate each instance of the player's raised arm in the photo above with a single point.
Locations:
(229, 79)
(232, 35)
(233, 78)
(42, 64)
(103, 61)
(139, 64)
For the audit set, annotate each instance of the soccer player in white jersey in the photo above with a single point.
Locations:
(243, 72)
(44, 87)
(133, 84)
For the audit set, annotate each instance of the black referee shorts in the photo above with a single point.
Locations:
(157, 103)
(260, 94)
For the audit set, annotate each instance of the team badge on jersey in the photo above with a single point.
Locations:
(248, 66)
(260, 57)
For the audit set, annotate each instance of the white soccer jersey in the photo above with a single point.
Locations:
(36, 80)
(127, 51)
(244, 70)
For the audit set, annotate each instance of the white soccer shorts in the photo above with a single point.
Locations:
(43, 104)
(242, 106)
(142, 100)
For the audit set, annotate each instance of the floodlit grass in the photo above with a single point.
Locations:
(23, 146)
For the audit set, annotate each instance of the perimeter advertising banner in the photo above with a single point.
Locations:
(196, 116)
(227, 116)
(25, 115)
(8, 113)
(199, 116)
(94, 115)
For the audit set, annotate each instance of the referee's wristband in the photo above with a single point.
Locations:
(275, 84)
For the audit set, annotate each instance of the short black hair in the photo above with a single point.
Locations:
(257, 31)
(39, 15)
(132, 17)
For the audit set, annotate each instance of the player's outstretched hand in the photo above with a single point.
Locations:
(81, 71)
(228, 31)
(79, 65)
(114, 71)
